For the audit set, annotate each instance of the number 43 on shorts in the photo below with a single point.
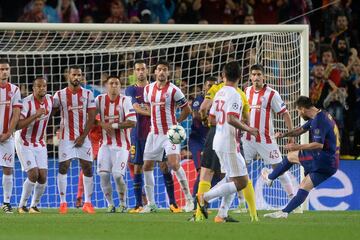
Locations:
(274, 154)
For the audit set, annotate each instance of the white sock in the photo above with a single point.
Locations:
(241, 197)
(7, 183)
(181, 176)
(38, 192)
(149, 184)
(120, 187)
(28, 187)
(222, 190)
(106, 187)
(286, 183)
(62, 185)
(225, 205)
(88, 188)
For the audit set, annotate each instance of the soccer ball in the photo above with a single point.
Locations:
(176, 134)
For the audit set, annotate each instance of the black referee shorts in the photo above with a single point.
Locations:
(209, 159)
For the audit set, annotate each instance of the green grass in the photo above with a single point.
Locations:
(164, 225)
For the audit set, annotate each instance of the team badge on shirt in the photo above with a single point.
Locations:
(235, 106)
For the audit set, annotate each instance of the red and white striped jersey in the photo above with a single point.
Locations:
(163, 103)
(116, 111)
(227, 101)
(262, 105)
(74, 107)
(9, 98)
(33, 135)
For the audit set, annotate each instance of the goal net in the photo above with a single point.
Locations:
(195, 53)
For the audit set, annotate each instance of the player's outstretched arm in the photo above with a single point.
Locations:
(125, 124)
(205, 107)
(292, 133)
(307, 146)
(235, 122)
(185, 111)
(142, 110)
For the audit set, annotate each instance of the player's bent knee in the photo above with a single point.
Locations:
(148, 165)
(138, 169)
(7, 170)
(240, 182)
(293, 156)
(164, 167)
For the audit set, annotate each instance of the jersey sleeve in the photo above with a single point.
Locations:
(277, 104)
(56, 100)
(195, 106)
(245, 102)
(130, 92)
(129, 110)
(211, 92)
(179, 98)
(16, 99)
(318, 129)
(91, 101)
(24, 110)
(97, 103)
(146, 94)
(212, 110)
(234, 106)
(306, 125)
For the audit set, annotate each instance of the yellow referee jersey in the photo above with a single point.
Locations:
(216, 87)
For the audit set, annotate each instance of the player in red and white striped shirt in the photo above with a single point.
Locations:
(117, 116)
(164, 97)
(10, 105)
(77, 106)
(30, 143)
(263, 102)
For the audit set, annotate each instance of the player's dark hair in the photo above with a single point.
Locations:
(257, 67)
(232, 71)
(4, 61)
(38, 78)
(112, 76)
(304, 102)
(74, 67)
(162, 62)
(139, 61)
(211, 79)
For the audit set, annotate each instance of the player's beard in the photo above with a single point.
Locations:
(75, 83)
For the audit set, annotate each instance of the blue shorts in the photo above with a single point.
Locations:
(196, 147)
(319, 177)
(306, 158)
(137, 152)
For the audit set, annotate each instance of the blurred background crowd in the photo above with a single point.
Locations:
(333, 50)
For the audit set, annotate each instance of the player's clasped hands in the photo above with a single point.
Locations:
(40, 112)
(79, 141)
(254, 131)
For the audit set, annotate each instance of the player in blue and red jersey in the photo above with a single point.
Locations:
(324, 146)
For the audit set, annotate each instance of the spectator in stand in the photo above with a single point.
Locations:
(184, 13)
(342, 30)
(48, 11)
(117, 12)
(320, 86)
(67, 11)
(35, 13)
(249, 19)
(163, 10)
(313, 57)
(215, 11)
(265, 11)
(331, 72)
(342, 50)
(88, 18)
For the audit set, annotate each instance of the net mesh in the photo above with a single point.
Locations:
(194, 56)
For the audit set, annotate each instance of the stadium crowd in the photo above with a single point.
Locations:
(333, 50)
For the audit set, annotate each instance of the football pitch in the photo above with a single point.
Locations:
(168, 226)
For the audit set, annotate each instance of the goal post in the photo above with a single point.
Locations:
(195, 52)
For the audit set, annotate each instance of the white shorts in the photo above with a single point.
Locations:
(67, 150)
(7, 153)
(155, 146)
(112, 159)
(269, 152)
(31, 157)
(233, 164)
